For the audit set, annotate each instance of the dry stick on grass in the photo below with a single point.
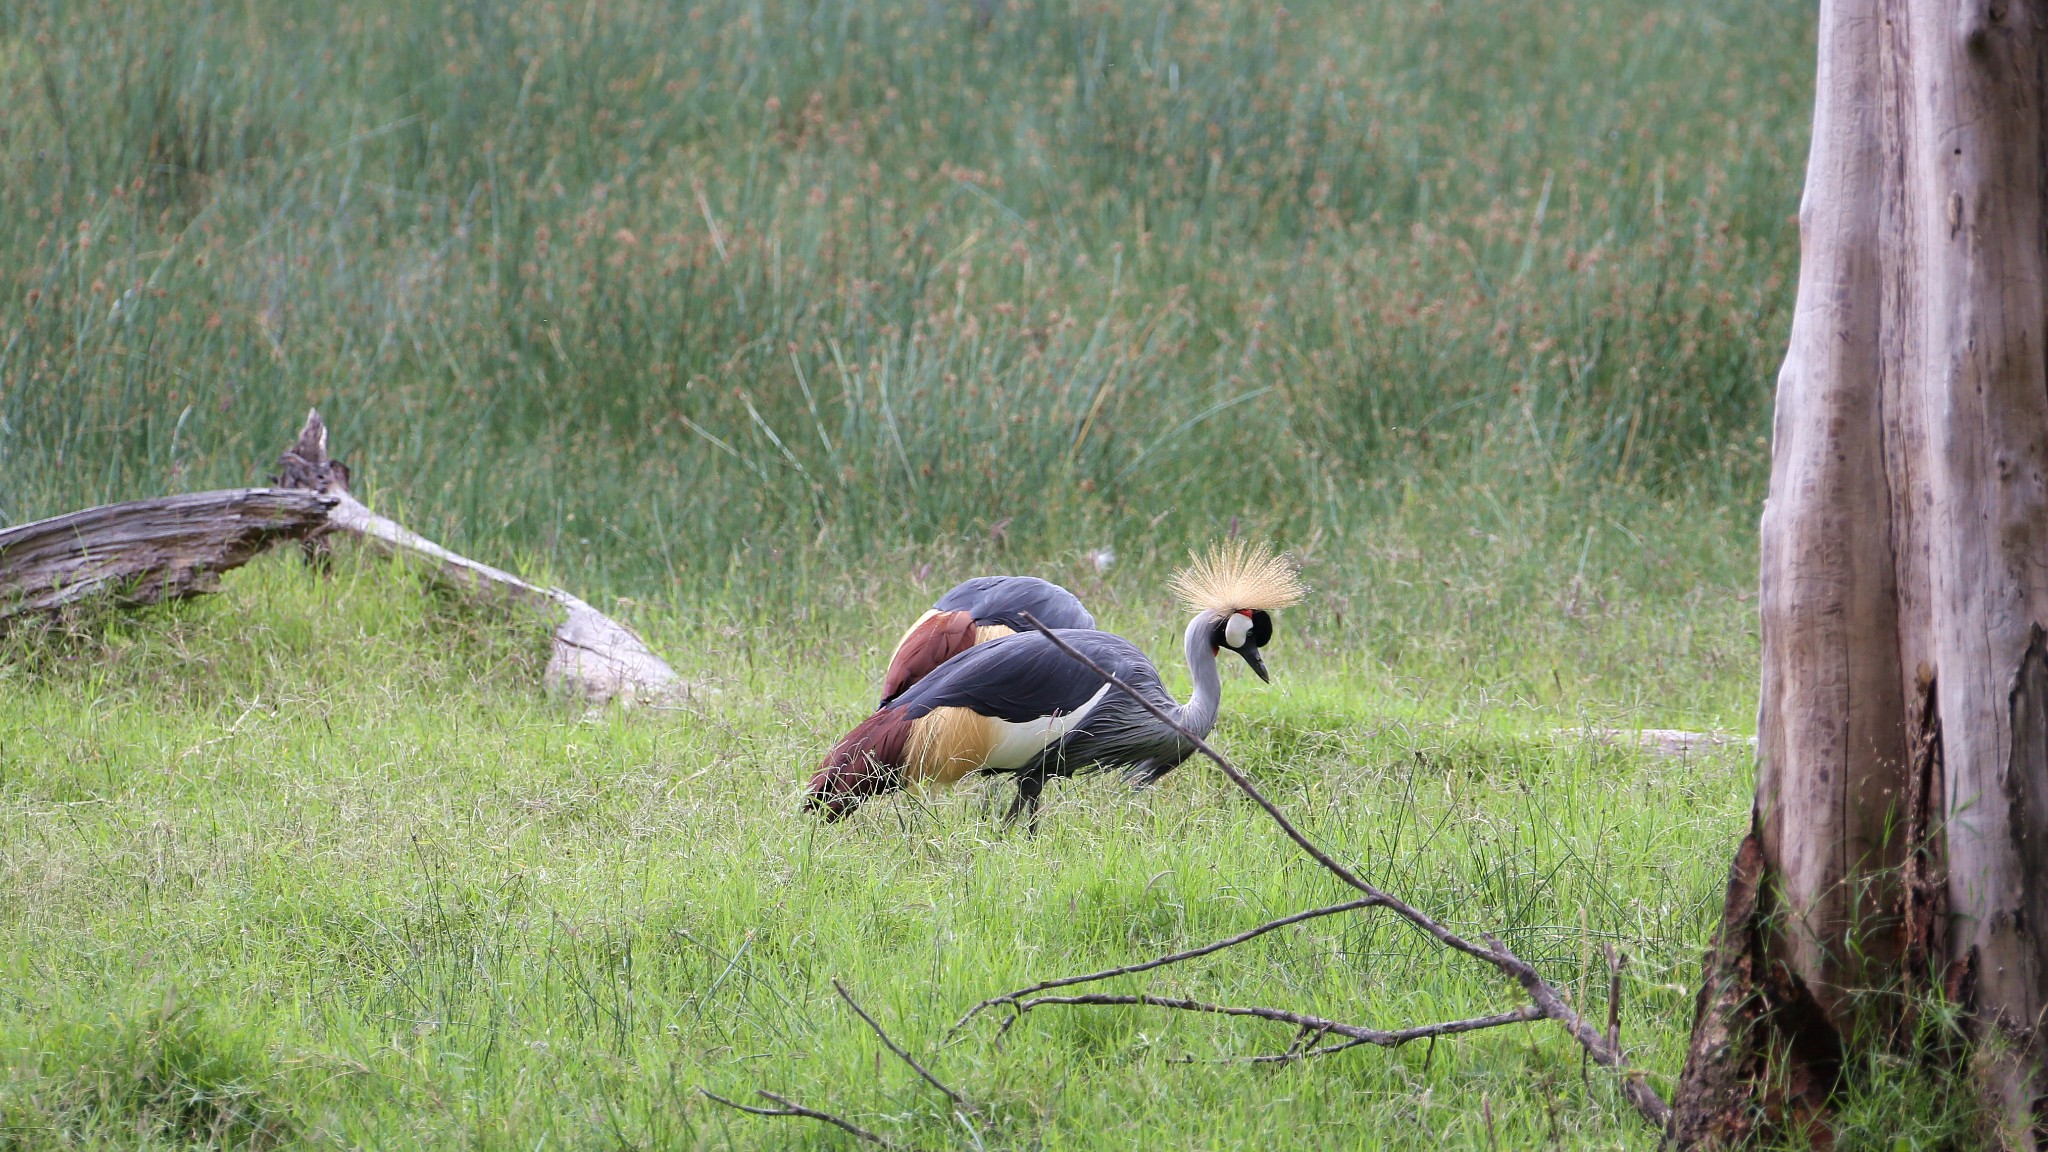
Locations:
(1305, 1041)
(1310, 1051)
(1011, 998)
(1310, 1024)
(791, 1108)
(958, 1100)
(1544, 998)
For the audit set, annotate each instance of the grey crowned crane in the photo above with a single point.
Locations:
(1019, 705)
(975, 612)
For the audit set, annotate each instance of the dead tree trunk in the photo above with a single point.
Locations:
(1900, 835)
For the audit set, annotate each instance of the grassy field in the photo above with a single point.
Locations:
(699, 284)
(764, 322)
(314, 861)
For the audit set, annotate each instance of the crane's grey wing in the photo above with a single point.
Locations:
(1117, 732)
(1147, 772)
(1024, 677)
(1005, 599)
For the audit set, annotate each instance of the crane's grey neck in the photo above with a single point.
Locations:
(1198, 715)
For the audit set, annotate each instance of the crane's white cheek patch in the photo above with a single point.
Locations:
(1235, 630)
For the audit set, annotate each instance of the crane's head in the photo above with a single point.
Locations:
(1235, 588)
(867, 761)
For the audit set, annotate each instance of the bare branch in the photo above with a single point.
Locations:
(1162, 961)
(1398, 906)
(791, 1108)
(1310, 1051)
(1545, 998)
(1310, 1025)
(1639, 1093)
(958, 1100)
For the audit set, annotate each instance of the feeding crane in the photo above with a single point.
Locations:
(975, 612)
(1020, 705)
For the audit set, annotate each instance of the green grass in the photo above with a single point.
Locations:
(663, 292)
(399, 897)
(760, 322)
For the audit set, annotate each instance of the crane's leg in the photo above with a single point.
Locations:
(1029, 784)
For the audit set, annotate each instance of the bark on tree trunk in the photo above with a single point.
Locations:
(1900, 838)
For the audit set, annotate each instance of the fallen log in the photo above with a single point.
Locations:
(1672, 742)
(147, 550)
(144, 551)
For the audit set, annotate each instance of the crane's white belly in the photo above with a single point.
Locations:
(1016, 742)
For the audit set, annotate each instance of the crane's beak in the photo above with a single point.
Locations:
(1251, 657)
(832, 806)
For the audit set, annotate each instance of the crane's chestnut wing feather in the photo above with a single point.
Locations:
(866, 761)
(931, 643)
(1005, 600)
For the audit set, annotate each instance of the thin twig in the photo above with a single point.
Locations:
(1305, 1039)
(791, 1108)
(1312, 1051)
(1639, 1093)
(1525, 1014)
(1645, 1099)
(1363, 1035)
(1398, 906)
(958, 1100)
(1162, 961)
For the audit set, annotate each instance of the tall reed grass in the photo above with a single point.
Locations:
(689, 285)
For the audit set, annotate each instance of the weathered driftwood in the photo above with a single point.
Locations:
(147, 550)
(594, 655)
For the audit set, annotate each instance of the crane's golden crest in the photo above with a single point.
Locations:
(1235, 576)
